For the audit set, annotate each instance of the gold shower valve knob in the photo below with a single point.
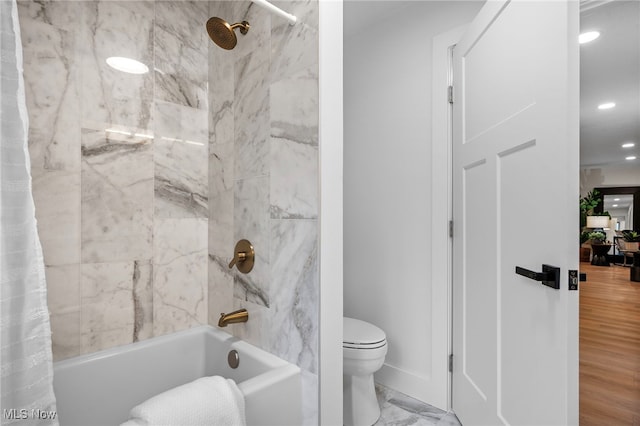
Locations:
(244, 256)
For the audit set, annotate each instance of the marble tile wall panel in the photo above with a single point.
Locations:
(110, 97)
(251, 115)
(58, 13)
(63, 297)
(51, 75)
(220, 289)
(294, 146)
(116, 304)
(257, 330)
(56, 196)
(294, 291)
(294, 48)
(221, 84)
(181, 161)
(63, 289)
(251, 221)
(65, 335)
(180, 274)
(258, 39)
(181, 74)
(221, 200)
(117, 197)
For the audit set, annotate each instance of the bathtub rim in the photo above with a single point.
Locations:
(272, 361)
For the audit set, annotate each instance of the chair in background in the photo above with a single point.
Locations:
(626, 251)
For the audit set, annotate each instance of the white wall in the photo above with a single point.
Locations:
(387, 184)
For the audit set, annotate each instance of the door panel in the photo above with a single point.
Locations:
(515, 64)
(477, 317)
(515, 153)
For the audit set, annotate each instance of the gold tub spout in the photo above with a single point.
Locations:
(241, 315)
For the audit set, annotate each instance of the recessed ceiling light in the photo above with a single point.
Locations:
(588, 36)
(614, 205)
(616, 199)
(628, 145)
(607, 105)
(631, 157)
(128, 65)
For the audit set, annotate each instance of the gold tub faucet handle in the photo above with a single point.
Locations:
(243, 256)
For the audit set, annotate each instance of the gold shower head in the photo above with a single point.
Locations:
(222, 33)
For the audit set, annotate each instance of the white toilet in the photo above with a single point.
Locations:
(364, 347)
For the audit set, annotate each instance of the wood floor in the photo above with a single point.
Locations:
(609, 347)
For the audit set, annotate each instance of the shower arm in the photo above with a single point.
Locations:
(271, 8)
(244, 27)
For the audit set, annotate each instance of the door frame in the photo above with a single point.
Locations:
(442, 196)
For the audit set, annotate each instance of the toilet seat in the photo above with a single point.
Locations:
(361, 335)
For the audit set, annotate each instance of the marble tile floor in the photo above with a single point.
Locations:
(398, 409)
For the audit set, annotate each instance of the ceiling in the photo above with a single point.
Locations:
(610, 72)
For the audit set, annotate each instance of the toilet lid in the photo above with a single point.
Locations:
(361, 335)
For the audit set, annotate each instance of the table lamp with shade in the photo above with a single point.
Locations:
(598, 222)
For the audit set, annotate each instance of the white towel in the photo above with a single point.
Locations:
(206, 401)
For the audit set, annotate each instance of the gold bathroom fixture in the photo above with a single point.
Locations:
(222, 33)
(244, 256)
(241, 315)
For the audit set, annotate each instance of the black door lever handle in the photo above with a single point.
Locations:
(550, 275)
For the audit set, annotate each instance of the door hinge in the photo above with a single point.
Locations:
(450, 229)
(450, 94)
(450, 363)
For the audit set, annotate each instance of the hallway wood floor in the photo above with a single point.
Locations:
(609, 347)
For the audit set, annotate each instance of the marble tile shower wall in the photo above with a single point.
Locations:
(119, 164)
(263, 181)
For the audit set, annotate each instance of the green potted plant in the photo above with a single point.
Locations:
(587, 204)
(588, 216)
(597, 237)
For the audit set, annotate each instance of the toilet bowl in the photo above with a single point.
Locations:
(364, 347)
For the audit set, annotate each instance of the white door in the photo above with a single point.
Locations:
(515, 162)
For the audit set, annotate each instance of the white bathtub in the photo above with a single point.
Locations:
(100, 388)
